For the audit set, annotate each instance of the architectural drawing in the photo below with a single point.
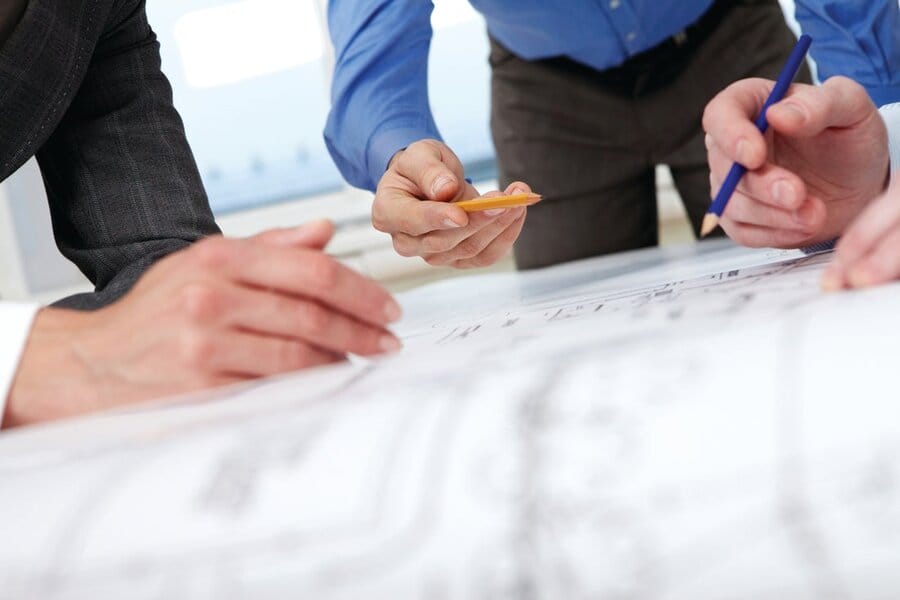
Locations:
(734, 435)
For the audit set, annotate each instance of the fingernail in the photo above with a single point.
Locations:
(440, 183)
(783, 192)
(392, 311)
(495, 212)
(451, 224)
(388, 343)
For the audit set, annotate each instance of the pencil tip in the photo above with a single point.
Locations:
(710, 222)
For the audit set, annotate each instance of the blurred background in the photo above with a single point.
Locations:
(251, 80)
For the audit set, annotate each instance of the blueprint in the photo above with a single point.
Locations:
(702, 425)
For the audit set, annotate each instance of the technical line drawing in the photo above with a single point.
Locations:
(733, 435)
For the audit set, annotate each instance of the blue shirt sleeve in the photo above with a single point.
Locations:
(380, 88)
(859, 39)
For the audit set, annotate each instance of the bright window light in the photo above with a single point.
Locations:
(448, 13)
(242, 40)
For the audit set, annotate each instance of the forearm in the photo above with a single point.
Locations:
(123, 186)
(380, 88)
(859, 40)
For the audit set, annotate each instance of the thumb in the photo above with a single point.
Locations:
(434, 169)
(314, 235)
(808, 111)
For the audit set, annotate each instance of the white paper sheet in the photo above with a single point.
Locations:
(660, 433)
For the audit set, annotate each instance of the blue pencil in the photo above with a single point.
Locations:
(711, 221)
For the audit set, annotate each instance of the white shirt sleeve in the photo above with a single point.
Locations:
(15, 325)
(891, 115)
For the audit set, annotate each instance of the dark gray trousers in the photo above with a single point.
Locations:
(589, 140)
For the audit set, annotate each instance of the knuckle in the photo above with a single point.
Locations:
(415, 153)
(323, 271)
(845, 85)
(316, 320)
(403, 246)
(485, 259)
(380, 220)
(468, 248)
(436, 260)
(433, 244)
(200, 302)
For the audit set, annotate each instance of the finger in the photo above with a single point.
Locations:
(769, 184)
(254, 355)
(476, 245)
(290, 317)
(518, 187)
(755, 236)
(433, 169)
(877, 221)
(809, 110)
(498, 248)
(299, 271)
(315, 235)
(437, 242)
(729, 120)
(880, 265)
(442, 241)
(396, 211)
(806, 220)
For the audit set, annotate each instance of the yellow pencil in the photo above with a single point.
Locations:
(512, 201)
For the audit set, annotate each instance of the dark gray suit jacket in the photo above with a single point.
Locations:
(81, 88)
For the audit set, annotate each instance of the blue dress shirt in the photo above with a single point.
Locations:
(859, 39)
(380, 90)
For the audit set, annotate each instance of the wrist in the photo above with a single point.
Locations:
(48, 371)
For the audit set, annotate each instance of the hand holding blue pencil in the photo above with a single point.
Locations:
(794, 62)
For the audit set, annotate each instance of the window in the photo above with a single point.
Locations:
(459, 61)
(250, 79)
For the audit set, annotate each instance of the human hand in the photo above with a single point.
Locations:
(823, 160)
(413, 204)
(220, 312)
(869, 252)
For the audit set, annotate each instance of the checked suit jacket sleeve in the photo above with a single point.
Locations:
(81, 87)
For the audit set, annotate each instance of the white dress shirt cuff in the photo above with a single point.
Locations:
(15, 325)
(891, 115)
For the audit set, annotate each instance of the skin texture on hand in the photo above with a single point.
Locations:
(824, 159)
(868, 254)
(413, 204)
(220, 312)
